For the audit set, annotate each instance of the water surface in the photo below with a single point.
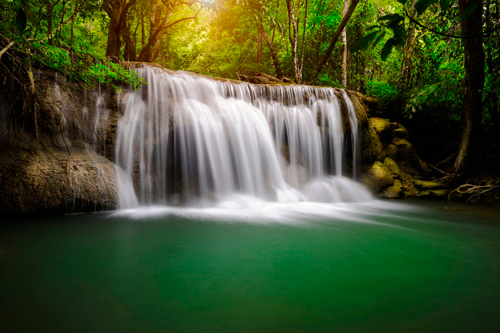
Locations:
(417, 267)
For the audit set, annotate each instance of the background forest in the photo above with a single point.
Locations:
(433, 64)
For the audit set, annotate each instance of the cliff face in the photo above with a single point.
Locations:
(59, 157)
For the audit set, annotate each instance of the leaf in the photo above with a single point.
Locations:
(399, 35)
(392, 19)
(387, 49)
(402, 2)
(422, 5)
(364, 42)
(21, 20)
(445, 4)
(375, 26)
(387, 17)
(379, 38)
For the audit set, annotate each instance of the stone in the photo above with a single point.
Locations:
(393, 192)
(377, 177)
(399, 131)
(392, 166)
(428, 185)
(390, 151)
(66, 168)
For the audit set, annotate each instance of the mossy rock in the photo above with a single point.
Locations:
(377, 177)
(408, 158)
(391, 151)
(393, 192)
(392, 166)
(434, 194)
(399, 131)
(379, 136)
(442, 193)
(428, 185)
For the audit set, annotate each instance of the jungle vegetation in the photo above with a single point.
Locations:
(434, 65)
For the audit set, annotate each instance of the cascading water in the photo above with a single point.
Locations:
(190, 140)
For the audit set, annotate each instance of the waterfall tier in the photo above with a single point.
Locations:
(186, 139)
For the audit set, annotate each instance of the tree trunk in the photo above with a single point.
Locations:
(491, 98)
(129, 53)
(117, 12)
(293, 36)
(259, 46)
(474, 83)
(274, 55)
(149, 52)
(344, 53)
(336, 35)
(302, 53)
(72, 31)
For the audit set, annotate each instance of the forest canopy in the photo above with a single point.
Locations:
(415, 56)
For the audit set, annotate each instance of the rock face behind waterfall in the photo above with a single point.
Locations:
(63, 159)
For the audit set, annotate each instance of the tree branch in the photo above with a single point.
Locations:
(183, 19)
(6, 48)
(49, 35)
(484, 34)
(336, 35)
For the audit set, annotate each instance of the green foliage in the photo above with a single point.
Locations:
(325, 80)
(422, 5)
(389, 22)
(415, 73)
(44, 37)
(386, 50)
(112, 73)
(386, 92)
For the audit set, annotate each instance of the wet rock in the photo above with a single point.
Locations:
(428, 185)
(434, 194)
(392, 166)
(399, 131)
(393, 192)
(390, 151)
(377, 177)
(51, 181)
(61, 163)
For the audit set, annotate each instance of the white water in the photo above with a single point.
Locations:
(190, 140)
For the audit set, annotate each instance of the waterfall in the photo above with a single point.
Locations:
(185, 139)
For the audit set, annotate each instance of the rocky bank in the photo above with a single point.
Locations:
(58, 156)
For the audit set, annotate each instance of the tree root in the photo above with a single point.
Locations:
(473, 190)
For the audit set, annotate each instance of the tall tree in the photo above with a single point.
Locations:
(336, 35)
(160, 15)
(293, 36)
(117, 11)
(344, 52)
(472, 32)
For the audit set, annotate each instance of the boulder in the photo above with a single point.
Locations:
(377, 177)
(428, 185)
(393, 192)
(47, 180)
(392, 166)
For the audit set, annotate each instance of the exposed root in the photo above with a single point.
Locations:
(439, 170)
(473, 190)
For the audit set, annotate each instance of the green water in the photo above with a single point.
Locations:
(419, 270)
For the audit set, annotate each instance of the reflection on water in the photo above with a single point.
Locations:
(241, 208)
